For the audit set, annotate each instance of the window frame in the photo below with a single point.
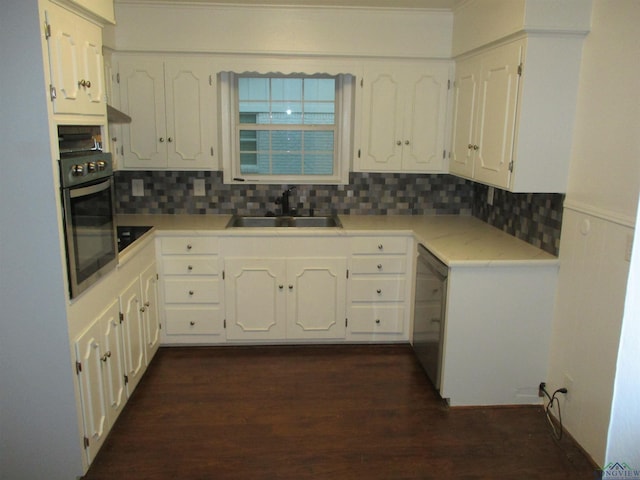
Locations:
(231, 126)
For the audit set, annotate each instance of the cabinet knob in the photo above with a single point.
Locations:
(290, 287)
(280, 287)
(399, 142)
(189, 246)
(146, 304)
(84, 83)
(169, 139)
(377, 321)
(161, 139)
(143, 309)
(88, 84)
(380, 247)
(379, 266)
(470, 146)
(190, 267)
(191, 292)
(192, 323)
(476, 147)
(379, 291)
(406, 142)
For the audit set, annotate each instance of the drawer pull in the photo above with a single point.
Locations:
(377, 321)
(191, 292)
(189, 246)
(192, 323)
(190, 267)
(380, 247)
(379, 266)
(379, 291)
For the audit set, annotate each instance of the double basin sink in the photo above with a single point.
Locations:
(330, 221)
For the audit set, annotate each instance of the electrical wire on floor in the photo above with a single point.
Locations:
(553, 399)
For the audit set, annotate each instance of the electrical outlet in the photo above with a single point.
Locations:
(568, 384)
(137, 187)
(541, 389)
(490, 193)
(198, 187)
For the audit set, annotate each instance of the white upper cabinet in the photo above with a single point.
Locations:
(75, 61)
(172, 104)
(403, 117)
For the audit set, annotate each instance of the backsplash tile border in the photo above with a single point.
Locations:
(534, 218)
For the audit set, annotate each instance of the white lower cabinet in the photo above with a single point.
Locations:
(133, 333)
(380, 288)
(285, 299)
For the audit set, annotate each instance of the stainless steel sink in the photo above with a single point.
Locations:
(242, 221)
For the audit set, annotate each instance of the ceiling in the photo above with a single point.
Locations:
(430, 4)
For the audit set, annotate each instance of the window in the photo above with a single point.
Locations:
(288, 129)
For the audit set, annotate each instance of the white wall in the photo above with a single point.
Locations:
(38, 421)
(599, 219)
(286, 30)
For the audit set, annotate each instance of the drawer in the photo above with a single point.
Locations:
(189, 245)
(194, 321)
(379, 245)
(379, 264)
(194, 290)
(190, 265)
(376, 319)
(378, 289)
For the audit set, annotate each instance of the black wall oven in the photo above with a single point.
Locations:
(86, 179)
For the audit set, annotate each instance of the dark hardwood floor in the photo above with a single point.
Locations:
(321, 412)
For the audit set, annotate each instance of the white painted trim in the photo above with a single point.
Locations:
(601, 213)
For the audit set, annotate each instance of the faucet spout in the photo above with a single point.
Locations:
(283, 201)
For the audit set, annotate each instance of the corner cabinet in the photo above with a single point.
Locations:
(173, 106)
(403, 117)
(514, 106)
(75, 62)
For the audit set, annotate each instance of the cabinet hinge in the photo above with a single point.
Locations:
(362, 82)
(157, 277)
(159, 326)
(346, 322)
(47, 30)
(511, 166)
(347, 273)
(121, 317)
(444, 154)
(118, 77)
(52, 92)
(224, 323)
(448, 84)
(212, 151)
(223, 275)
(359, 153)
(85, 441)
(126, 379)
(520, 67)
(78, 368)
(211, 80)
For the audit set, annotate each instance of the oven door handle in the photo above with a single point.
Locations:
(90, 190)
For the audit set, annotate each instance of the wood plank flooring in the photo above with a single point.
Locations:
(319, 412)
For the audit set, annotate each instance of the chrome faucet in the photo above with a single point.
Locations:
(283, 201)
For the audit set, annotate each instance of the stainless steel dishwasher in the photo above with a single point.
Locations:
(429, 313)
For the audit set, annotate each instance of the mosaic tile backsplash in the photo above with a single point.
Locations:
(535, 218)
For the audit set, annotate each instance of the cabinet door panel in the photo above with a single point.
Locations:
(424, 129)
(255, 298)
(316, 303)
(93, 70)
(190, 110)
(382, 123)
(142, 98)
(64, 59)
(497, 114)
(130, 303)
(89, 351)
(114, 361)
(150, 316)
(465, 98)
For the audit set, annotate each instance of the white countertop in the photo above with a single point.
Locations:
(456, 240)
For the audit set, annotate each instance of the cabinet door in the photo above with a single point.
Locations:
(190, 113)
(495, 127)
(382, 114)
(64, 58)
(255, 298)
(425, 113)
(316, 298)
(113, 356)
(134, 339)
(150, 317)
(465, 97)
(142, 98)
(89, 352)
(92, 67)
